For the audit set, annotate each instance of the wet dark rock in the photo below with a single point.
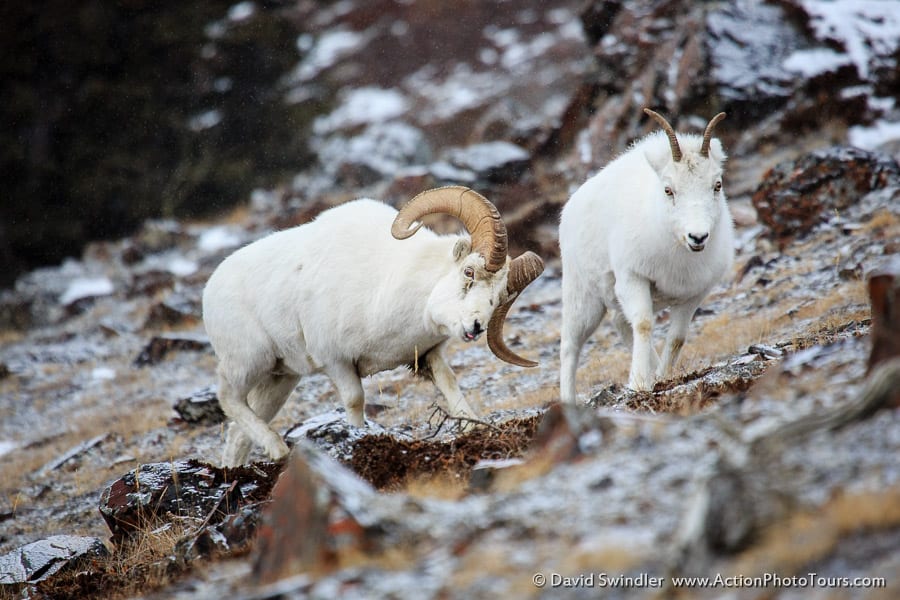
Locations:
(234, 534)
(185, 488)
(597, 18)
(200, 408)
(39, 560)
(15, 312)
(766, 351)
(149, 283)
(160, 346)
(797, 195)
(332, 433)
(175, 311)
(407, 184)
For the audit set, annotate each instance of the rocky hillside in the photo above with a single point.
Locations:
(768, 457)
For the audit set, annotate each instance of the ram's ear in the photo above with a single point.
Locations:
(462, 248)
(715, 150)
(658, 156)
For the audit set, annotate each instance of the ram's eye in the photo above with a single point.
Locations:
(718, 186)
(469, 272)
(670, 192)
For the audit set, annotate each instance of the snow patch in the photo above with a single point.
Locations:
(325, 52)
(86, 287)
(7, 446)
(815, 61)
(362, 106)
(217, 238)
(868, 29)
(870, 138)
(103, 374)
(241, 11)
(181, 266)
(205, 120)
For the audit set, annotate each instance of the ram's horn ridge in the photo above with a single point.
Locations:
(480, 217)
(522, 271)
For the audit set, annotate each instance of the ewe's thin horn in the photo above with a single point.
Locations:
(707, 135)
(673, 141)
(481, 218)
(522, 271)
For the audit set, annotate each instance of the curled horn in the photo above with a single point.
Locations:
(673, 142)
(707, 135)
(479, 216)
(522, 270)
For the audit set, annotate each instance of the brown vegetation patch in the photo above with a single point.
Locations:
(389, 463)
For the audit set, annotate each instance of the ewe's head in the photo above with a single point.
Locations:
(690, 182)
(484, 281)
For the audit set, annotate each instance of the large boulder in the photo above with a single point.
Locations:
(797, 195)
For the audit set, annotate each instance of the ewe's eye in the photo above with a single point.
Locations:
(718, 186)
(669, 192)
(469, 272)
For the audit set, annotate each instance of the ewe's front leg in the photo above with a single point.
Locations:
(679, 319)
(633, 293)
(445, 381)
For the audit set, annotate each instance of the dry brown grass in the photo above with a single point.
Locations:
(138, 566)
(791, 546)
(883, 221)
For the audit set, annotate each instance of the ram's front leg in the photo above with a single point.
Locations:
(445, 381)
(633, 293)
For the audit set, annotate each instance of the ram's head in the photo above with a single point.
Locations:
(485, 271)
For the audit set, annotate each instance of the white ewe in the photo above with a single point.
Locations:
(650, 230)
(342, 295)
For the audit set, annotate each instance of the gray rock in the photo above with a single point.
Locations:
(39, 560)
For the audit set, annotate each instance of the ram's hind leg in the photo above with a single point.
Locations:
(251, 411)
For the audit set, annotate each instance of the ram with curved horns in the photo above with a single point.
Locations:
(352, 293)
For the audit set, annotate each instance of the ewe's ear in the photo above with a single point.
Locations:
(658, 157)
(715, 150)
(462, 248)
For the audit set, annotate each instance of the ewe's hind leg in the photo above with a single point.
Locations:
(251, 410)
(579, 321)
(349, 387)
